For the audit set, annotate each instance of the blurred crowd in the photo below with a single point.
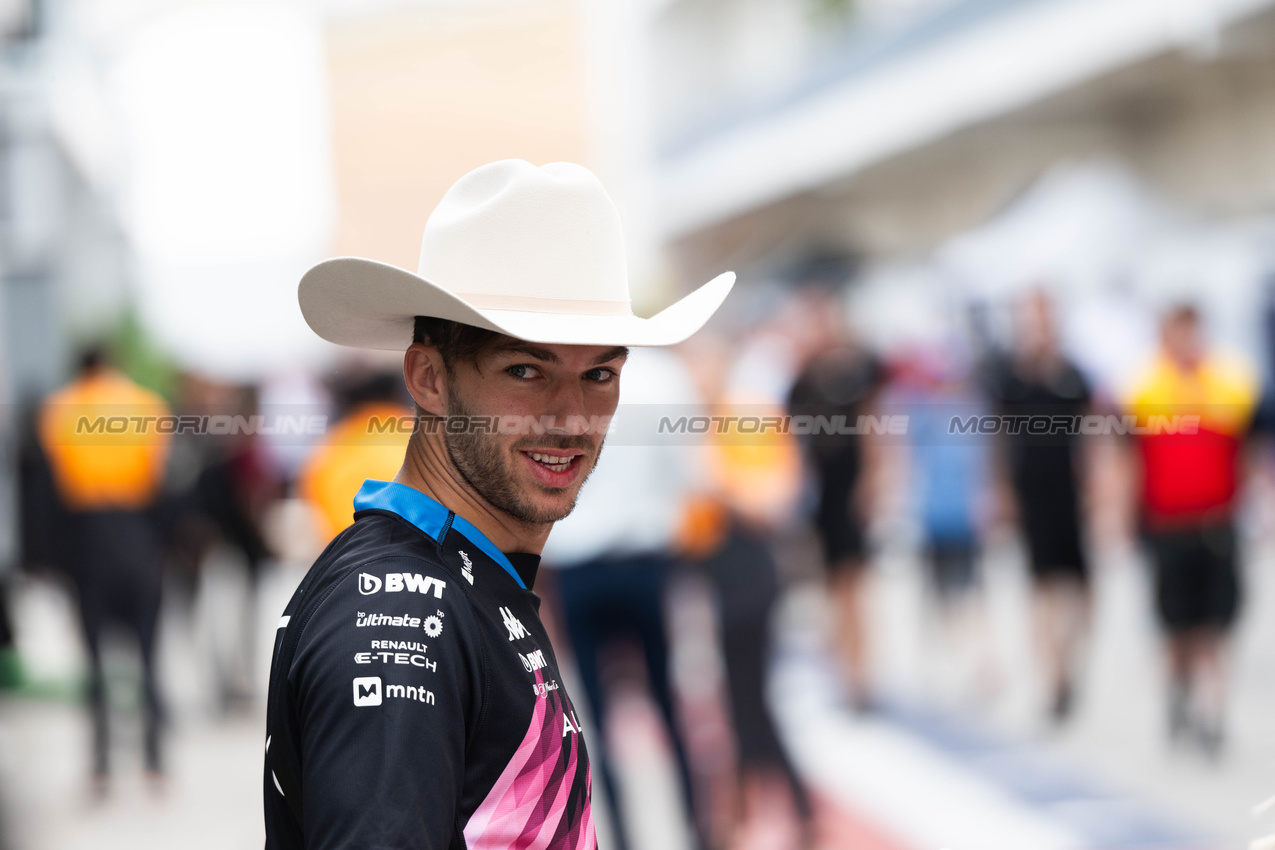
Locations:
(667, 577)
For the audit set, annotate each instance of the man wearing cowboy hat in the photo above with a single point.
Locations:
(415, 701)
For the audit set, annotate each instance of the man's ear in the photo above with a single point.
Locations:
(426, 378)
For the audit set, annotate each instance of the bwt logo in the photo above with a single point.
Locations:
(398, 582)
(533, 661)
(367, 690)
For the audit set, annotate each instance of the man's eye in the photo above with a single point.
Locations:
(523, 370)
(601, 376)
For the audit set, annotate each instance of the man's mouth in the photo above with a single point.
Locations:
(555, 468)
(556, 462)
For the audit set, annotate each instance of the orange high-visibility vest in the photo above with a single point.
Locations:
(107, 442)
(368, 443)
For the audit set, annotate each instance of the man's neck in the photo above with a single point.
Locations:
(427, 468)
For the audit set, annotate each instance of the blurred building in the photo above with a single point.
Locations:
(128, 136)
(423, 92)
(59, 250)
(886, 128)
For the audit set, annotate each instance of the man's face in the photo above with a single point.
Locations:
(1182, 339)
(1034, 326)
(534, 474)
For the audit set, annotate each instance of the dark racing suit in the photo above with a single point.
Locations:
(415, 701)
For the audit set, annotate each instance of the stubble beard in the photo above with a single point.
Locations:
(485, 467)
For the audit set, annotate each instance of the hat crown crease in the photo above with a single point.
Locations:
(516, 237)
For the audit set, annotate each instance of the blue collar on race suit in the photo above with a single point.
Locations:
(427, 515)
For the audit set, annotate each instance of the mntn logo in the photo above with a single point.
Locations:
(367, 690)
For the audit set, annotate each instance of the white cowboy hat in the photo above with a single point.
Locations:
(534, 253)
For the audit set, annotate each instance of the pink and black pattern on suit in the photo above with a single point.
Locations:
(542, 798)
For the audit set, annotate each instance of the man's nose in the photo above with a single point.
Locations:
(568, 410)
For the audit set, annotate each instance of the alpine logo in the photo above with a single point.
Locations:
(516, 629)
(398, 582)
(465, 570)
(367, 690)
(533, 660)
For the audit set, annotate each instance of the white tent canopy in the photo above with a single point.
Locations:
(976, 73)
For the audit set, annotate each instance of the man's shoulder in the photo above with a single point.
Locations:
(375, 537)
(381, 558)
(376, 582)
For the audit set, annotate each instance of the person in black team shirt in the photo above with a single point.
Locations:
(842, 380)
(1036, 380)
(415, 700)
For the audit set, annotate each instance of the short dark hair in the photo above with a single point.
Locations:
(356, 387)
(92, 357)
(456, 342)
(1184, 312)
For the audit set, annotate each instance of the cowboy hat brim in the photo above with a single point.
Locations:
(365, 304)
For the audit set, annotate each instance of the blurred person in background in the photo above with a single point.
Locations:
(221, 496)
(735, 552)
(236, 486)
(1190, 477)
(10, 671)
(42, 518)
(109, 480)
(366, 442)
(1044, 474)
(949, 490)
(729, 533)
(613, 558)
(840, 380)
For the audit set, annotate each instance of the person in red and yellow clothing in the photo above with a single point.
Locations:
(107, 441)
(367, 442)
(1193, 409)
